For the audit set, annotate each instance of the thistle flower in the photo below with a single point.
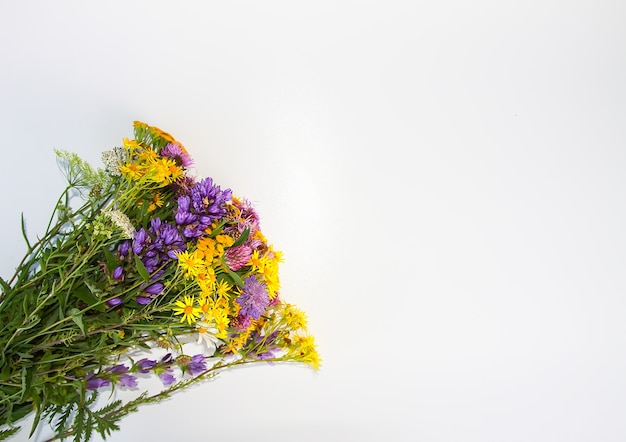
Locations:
(178, 153)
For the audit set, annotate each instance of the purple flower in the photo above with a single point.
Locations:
(114, 302)
(167, 378)
(248, 218)
(178, 153)
(120, 368)
(205, 203)
(145, 365)
(141, 240)
(267, 355)
(93, 383)
(157, 245)
(254, 299)
(154, 289)
(123, 249)
(127, 380)
(164, 369)
(118, 273)
(197, 364)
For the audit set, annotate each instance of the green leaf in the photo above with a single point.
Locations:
(236, 278)
(111, 261)
(85, 294)
(226, 278)
(5, 434)
(27, 379)
(217, 230)
(23, 225)
(142, 269)
(6, 288)
(37, 402)
(24, 355)
(5, 373)
(77, 317)
(242, 238)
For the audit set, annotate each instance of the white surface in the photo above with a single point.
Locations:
(445, 179)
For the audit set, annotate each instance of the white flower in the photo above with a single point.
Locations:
(207, 333)
(123, 222)
(112, 160)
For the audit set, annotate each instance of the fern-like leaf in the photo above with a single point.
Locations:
(5, 434)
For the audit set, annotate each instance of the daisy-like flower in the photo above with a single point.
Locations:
(222, 288)
(187, 307)
(191, 263)
(207, 332)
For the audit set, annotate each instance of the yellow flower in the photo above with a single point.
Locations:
(207, 247)
(303, 349)
(259, 235)
(148, 155)
(294, 317)
(206, 281)
(256, 261)
(191, 263)
(222, 289)
(132, 171)
(164, 171)
(206, 307)
(130, 144)
(188, 309)
(225, 240)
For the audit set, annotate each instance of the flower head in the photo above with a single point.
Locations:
(196, 365)
(208, 333)
(157, 245)
(191, 264)
(197, 210)
(93, 382)
(187, 307)
(145, 365)
(237, 257)
(122, 221)
(254, 299)
(178, 153)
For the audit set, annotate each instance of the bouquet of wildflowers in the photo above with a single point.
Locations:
(144, 271)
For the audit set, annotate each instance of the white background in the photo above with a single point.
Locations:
(445, 179)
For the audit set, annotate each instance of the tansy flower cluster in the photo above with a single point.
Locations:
(155, 272)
